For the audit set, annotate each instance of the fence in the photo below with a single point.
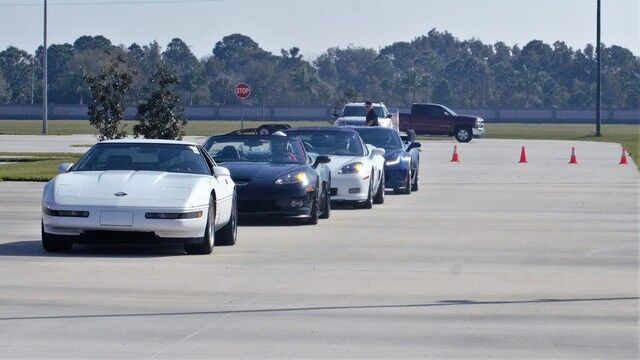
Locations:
(291, 113)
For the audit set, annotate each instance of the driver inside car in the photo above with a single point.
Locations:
(281, 152)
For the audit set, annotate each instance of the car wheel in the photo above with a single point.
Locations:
(208, 240)
(326, 209)
(55, 243)
(414, 186)
(463, 134)
(379, 197)
(368, 204)
(315, 211)
(227, 235)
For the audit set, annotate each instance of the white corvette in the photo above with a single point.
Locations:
(357, 170)
(137, 190)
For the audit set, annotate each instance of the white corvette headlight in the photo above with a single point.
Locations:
(352, 168)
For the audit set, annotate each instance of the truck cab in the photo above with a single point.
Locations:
(436, 119)
(354, 114)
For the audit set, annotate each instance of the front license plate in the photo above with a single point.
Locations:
(116, 218)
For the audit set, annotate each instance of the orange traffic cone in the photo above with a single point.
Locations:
(623, 158)
(523, 156)
(455, 157)
(573, 159)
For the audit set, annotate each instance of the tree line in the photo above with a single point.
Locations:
(436, 67)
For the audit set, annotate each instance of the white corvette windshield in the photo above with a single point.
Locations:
(144, 157)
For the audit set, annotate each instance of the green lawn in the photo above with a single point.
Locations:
(33, 166)
(43, 166)
(68, 127)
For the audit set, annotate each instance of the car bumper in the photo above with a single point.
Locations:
(125, 220)
(395, 178)
(293, 203)
(350, 188)
(478, 131)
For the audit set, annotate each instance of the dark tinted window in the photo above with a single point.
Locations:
(386, 139)
(330, 142)
(144, 157)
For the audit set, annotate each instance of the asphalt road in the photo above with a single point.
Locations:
(490, 259)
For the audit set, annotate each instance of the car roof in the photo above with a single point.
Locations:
(147, 141)
(322, 128)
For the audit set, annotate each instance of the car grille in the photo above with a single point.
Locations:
(117, 236)
(254, 206)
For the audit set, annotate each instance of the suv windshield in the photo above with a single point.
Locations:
(330, 142)
(250, 148)
(144, 157)
(361, 111)
(387, 139)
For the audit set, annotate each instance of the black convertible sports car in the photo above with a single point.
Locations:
(274, 175)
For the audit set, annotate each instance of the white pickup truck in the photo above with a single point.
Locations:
(355, 114)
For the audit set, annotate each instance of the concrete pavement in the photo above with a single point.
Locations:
(490, 259)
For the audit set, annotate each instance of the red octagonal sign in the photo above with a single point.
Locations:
(243, 91)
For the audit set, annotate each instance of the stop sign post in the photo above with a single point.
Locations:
(242, 91)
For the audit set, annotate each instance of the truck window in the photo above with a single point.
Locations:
(435, 112)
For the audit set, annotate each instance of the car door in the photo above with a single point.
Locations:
(438, 122)
(224, 188)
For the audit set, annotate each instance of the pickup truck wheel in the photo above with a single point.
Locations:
(463, 134)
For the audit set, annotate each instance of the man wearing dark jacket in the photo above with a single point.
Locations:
(372, 116)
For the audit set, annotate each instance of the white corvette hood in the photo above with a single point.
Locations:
(127, 188)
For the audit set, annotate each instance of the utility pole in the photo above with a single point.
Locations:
(599, 80)
(44, 75)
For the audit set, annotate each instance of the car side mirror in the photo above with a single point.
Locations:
(64, 167)
(390, 116)
(377, 151)
(321, 159)
(414, 145)
(221, 171)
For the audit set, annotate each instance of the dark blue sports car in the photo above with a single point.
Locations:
(402, 160)
(274, 175)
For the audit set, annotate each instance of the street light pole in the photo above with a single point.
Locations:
(599, 78)
(44, 75)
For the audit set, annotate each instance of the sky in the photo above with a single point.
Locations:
(314, 26)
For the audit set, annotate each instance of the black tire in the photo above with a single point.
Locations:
(414, 186)
(463, 134)
(368, 204)
(326, 209)
(379, 197)
(55, 243)
(315, 211)
(209, 239)
(227, 235)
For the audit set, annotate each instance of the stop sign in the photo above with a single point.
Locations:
(243, 91)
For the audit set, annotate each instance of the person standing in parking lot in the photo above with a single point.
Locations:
(372, 116)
